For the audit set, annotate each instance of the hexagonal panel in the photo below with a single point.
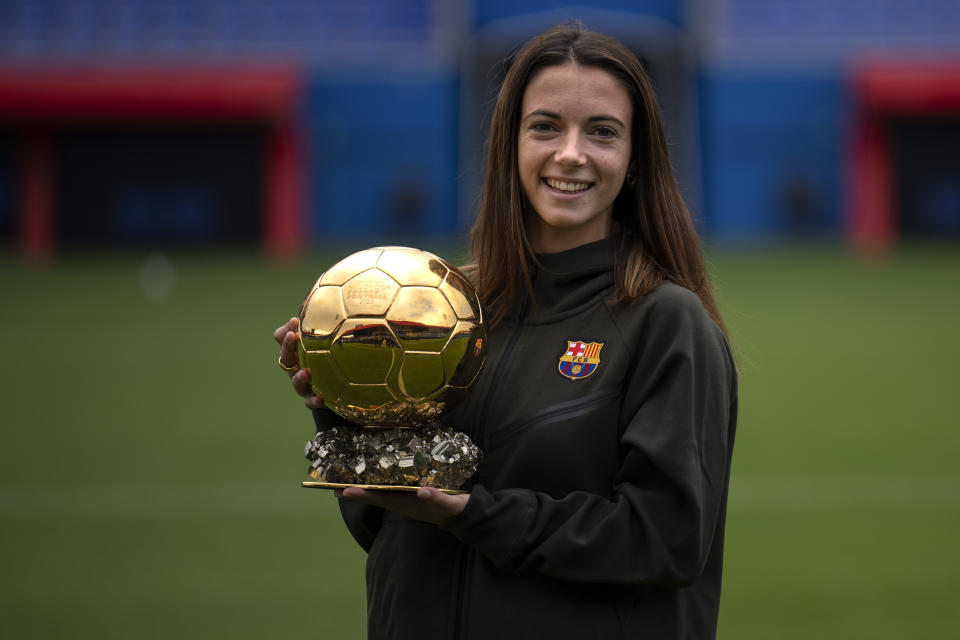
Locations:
(462, 296)
(326, 379)
(441, 266)
(438, 266)
(306, 298)
(411, 267)
(322, 312)
(365, 350)
(369, 293)
(424, 339)
(422, 318)
(367, 397)
(310, 343)
(464, 354)
(350, 266)
(420, 374)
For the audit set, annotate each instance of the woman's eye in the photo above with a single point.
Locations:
(542, 127)
(605, 132)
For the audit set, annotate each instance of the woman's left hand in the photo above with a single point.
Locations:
(427, 504)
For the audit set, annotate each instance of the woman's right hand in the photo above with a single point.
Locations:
(286, 337)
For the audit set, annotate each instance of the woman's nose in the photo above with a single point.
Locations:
(570, 152)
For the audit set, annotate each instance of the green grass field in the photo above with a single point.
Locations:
(152, 451)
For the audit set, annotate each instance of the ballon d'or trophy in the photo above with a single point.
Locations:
(393, 338)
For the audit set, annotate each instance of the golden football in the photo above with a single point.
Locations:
(393, 337)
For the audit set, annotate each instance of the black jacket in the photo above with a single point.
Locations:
(598, 508)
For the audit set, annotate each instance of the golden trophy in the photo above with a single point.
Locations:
(393, 337)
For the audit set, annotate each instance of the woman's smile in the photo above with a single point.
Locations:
(567, 186)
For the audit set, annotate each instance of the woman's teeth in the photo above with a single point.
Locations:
(570, 187)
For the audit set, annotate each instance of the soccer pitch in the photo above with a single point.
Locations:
(152, 451)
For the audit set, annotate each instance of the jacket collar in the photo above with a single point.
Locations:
(591, 256)
(566, 281)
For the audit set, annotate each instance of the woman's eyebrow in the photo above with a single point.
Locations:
(543, 113)
(604, 117)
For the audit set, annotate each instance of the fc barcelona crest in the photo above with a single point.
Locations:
(580, 360)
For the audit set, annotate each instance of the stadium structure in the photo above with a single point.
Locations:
(286, 123)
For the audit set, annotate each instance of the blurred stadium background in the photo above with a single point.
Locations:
(174, 174)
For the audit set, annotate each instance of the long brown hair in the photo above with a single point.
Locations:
(657, 239)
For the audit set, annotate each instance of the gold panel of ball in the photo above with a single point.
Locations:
(365, 350)
(421, 374)
(350, 266)
(369, 293)
(461, 297)
(464, 354)
(326, 379)
(406, 267)
(369, 397)
(421, 313)
(322, 312)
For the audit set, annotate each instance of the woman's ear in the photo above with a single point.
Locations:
(631, 177)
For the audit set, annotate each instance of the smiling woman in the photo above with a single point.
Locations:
(574, 153)
(606, 408)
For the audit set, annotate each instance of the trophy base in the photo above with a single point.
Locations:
(392, 459)
(374, 487)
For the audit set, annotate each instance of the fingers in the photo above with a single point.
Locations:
(445, 504)
(286, 336)
(280, 332)
(301, 384)
(406, 503)
(288, 349)
(357, 493)
(428, 504)
(431, 494)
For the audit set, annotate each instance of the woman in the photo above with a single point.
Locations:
(607, 406)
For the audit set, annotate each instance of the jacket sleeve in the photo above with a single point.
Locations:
(670, 490)
(362, 520)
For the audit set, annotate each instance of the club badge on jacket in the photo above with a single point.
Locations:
(580, 359)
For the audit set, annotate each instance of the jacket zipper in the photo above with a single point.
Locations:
(511, 345)
(464, 554)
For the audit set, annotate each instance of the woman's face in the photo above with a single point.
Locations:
(574, 152)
